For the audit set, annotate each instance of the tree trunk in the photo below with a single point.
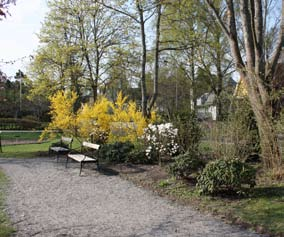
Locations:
(157, 54)
(257, 80)
(219, 88)
(143, 61)
(268, 140)
(192, 75)
(84, 46)
(263, 114)
(219, 109)
(97, 74)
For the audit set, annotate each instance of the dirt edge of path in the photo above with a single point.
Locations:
(149, 178)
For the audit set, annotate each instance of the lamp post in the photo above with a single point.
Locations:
(20, 76)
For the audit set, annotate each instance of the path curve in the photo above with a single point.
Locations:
(45, 199)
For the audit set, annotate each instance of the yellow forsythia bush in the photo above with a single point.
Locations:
(118, 121)
(127, 123)
(62, 115)
(94, 119)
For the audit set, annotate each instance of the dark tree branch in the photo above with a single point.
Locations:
(218, 17)
(119, 11)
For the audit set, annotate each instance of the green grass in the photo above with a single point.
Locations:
(29, 150)
(25, 150)
(13, 136)
(5, 226)
(263, 209)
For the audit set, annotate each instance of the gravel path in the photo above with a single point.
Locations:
(45, 199)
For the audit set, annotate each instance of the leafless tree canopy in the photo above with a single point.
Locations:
(4, 5)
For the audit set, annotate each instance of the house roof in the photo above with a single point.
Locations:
(240, 90)
(207, 99)
(277, 82)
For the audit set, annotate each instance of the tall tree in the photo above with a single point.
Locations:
(4, 7)
(78, 38)
(157, 56)
(255, 69)
(100, 31)
(140, 12)
(122, 73)
(179, 24)
(58, 63)
(198, 44)
(215, 60)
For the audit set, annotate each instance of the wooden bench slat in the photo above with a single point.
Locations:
(81, 157)
(91, 145)
(85, 156)
(58, 148)
(67, 139)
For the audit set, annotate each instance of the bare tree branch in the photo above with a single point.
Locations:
(218, 17)
(119, 11)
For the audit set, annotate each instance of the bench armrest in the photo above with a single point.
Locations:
(76, 150)
(55, 144)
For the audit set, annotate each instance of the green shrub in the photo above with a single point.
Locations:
(189, 131)
(243, 131)
(226, 175)
(186, 164)
(138, 156)
(116, 152)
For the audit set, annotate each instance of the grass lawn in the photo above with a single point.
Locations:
(265, 207)
(5, 226)
(23, 135)
(25, 150)
(29, 150)
(262, 209)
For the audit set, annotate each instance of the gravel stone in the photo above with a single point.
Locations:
(46, 199)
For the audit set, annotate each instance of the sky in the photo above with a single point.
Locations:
(18, 37)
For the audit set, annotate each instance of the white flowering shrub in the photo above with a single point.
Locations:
(160, 140)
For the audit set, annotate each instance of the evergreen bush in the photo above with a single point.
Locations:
(116, 152)
(225, 176)
(138, 156)
(186, 164)
(189, 131)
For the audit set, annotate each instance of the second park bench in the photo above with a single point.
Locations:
(88, 154)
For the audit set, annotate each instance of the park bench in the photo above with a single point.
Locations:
(62, 147)
(88, 154)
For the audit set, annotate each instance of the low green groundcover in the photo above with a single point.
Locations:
(5, 226)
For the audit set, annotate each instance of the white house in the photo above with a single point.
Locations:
(205, 107)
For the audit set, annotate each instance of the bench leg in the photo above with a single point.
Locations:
(81, 166)
(57, 157)
(66, 161)
(98, 166)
